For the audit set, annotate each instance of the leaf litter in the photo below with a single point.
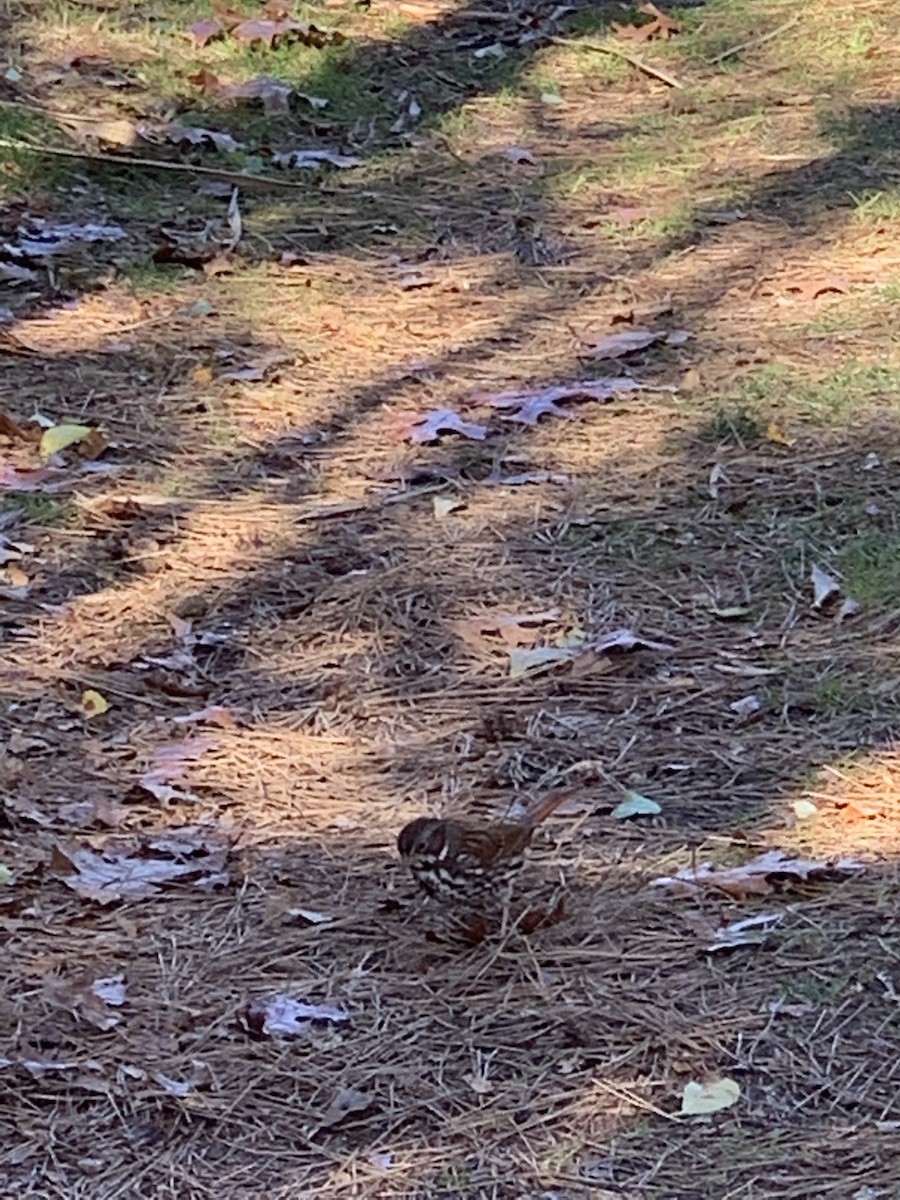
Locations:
(123, 871)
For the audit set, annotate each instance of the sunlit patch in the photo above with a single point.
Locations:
(851, 808)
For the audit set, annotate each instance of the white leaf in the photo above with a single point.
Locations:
(111, 989)
(746, 706)
(521, 661)
(709, 1097)
(636, 805)
(444, 505)
(804, 809)
(824, 586)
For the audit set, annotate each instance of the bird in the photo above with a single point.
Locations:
(464, 861)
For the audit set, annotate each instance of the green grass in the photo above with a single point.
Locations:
(875, 208)
(37, 509)
(734, 423)
(870, 566)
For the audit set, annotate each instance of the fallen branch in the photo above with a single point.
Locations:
(238, 177)
(616, 52)
(756, 41)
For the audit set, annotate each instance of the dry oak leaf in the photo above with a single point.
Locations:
(428, 428)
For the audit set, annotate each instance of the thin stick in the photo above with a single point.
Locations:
(607, 48)
(756, 41)
(153, 163)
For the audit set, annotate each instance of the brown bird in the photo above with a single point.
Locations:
(463, 861)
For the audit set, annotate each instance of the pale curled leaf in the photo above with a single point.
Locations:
(281, 1016)
(804, 809)
(825, 587)
(746, 707)
(699, 1098)
(347, 1102)
(311, 159)
(750, 931)
(523, 661)
(444, 505)
(636, 805)
(215, 714)
(110, 989)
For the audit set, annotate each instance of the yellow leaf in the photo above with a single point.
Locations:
(58, 437)
(709, 1097)
(775, 433)
(93, 704)
(201, 373)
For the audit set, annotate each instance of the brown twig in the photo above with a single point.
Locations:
(239, 177)
(756, 41)
(616, 52)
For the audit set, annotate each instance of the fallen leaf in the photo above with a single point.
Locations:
(849, 608)
(6, 875)
(310, 159)
(618, 345)
(110, 875)
(825, 587)
(25, 481)
(444, 505)
(281, 1016)
(275, 94)
(345, 1104)
(636, 805)
(662, 27)
(110, 989)
(533, 404)
(93, 704)
(775, 433)
(732, 613)
(527, 477)
(699, 1098)
(519, 155)
(59, 437)
(514, 629)
(749, 931)
(756, 877)
(578, 646)
(305, 916)
(746, 707)
(259, 369)
(205, 31)
(235, 220)
(40, 238)
(189, 135)
(429, 427)
(200, 1077)
(522, 662)
(168, 769)
(803, 809)
(215, 714)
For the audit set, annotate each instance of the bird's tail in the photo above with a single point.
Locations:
(543, 808)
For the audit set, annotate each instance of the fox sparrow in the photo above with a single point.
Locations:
(464, 861)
